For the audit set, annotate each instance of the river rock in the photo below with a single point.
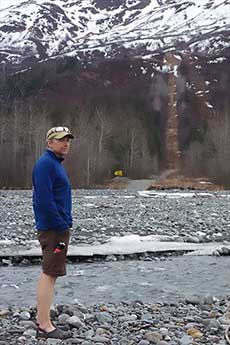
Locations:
(153, 337)
(195, 333)
(30, 332)
(185, 340)
(128, 318)
(62, 318)
(209, 299)
(22, 340)
(164, 332)
(89, 333)
(4, 313)
(102, 331)
(74, 321)
(103, 317)
(213, 324)
(25, 315)
(100, 339)
(144, 342)
(27, 324)
(53, 341)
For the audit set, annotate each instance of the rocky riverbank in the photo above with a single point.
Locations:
(188, 216)
(193, 321)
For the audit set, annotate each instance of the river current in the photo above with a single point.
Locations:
(103, 282)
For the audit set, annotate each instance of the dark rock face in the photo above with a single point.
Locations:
(115, 4)
(108, 4)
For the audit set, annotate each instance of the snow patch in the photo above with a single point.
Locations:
(129, 244)
(156, 194)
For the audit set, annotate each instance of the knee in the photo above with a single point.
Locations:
(49, 277)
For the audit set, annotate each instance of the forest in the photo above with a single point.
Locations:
(118, 115)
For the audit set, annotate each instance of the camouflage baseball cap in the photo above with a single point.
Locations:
(58, 132)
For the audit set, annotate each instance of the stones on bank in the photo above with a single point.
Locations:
(192, 321)
(143, 256)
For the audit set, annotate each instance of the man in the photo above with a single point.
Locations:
(52, 210)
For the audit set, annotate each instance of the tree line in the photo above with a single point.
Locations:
(108, 138)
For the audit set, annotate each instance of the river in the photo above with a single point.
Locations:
(103, 282)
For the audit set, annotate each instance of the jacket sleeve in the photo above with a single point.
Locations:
(44, 203)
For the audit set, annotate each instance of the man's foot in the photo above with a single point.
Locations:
(57, 333)
(48, 327)
(227, 335)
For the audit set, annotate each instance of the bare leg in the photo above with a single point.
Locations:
(45, 292)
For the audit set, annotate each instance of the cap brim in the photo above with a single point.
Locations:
(60, 135)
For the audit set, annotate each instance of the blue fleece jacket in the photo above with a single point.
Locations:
(51, 194)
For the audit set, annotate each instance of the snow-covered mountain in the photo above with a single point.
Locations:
(42, 29)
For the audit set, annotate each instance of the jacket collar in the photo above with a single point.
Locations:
(52, 154)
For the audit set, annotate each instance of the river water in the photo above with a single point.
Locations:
(103, 282)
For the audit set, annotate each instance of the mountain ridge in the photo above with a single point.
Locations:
(47, 29)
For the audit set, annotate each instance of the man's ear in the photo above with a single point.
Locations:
(49, 142)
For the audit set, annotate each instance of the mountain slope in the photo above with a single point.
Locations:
(42, 29)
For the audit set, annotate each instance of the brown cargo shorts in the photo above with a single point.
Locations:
(54, 261)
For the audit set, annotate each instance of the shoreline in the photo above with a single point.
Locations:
(190, 321)
(10, 260)
(127, 247)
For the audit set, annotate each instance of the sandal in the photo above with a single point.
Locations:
(227, 335)
(57, 333)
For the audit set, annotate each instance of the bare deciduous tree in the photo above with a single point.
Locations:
(212, 156)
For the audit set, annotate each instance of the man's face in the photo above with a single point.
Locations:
(60, 146)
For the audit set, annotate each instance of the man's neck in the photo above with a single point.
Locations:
(56, 154)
